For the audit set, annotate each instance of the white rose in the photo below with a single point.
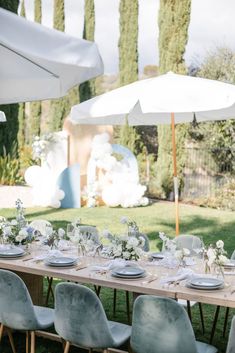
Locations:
(132, 242)
(139, 252)
(19, 238)
(61, 232)
(126, 255)
(186, 252)
(14, 222)
(23, 233)
(222, 260)
(220, 244)
(7, 230)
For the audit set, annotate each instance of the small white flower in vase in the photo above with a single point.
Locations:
(181, 255)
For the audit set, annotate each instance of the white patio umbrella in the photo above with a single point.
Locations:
(2, 117)
(166, 99)
(40, 63)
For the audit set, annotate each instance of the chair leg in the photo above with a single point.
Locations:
(27, 341)
(32, 349)
(225, 321)
(1, 331)
(202, 318)
(67, 346)
(114, 301)
(214, 323)
(189, 310)
(128, 307)
(49, 290)
(11, 340)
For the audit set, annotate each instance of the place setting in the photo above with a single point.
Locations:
(128, 272)
(60, 261)
(11, 252)
(205, 283)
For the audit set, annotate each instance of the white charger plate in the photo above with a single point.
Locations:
(60, 261)
(206, 283)
(12, 252)
(113, 274)
(157, 255)
(128, 271)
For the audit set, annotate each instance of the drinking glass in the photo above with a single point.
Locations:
(70, 230)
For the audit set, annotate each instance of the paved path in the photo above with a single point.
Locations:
(9, 194)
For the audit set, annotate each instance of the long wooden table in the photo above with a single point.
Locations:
(151, 284)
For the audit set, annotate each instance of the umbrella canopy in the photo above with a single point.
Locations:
(166, 99)
(151, 102)
(2, 117)
(41, 63)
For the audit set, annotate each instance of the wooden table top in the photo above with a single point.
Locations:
(151, 284)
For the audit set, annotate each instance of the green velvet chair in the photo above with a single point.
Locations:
(80, 319)
(145, 248)
(231, 339)
(190, 242)
(17, 311)
(161, 325)
(41, 225)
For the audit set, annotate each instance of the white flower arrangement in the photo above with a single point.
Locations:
(167, 243)
(54, 236)
(42, 145)
(132, 227)
(85, 241)
(215, 256)
(12, 232)
(181, 254)
(16, 231)
(125, 247)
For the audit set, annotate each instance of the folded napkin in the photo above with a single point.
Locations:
(182, 274)
(109, 265)
(49, 253)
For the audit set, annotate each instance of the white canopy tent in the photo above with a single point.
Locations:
(40, 63)
(166, 99)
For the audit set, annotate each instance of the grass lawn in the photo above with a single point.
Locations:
(211, 224)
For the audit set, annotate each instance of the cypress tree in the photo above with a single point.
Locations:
(173, 19)
(22, 9)
(9, 129)
(21, 115)
(87, 89)
(35, 107)
(59, 107)
(128, 60)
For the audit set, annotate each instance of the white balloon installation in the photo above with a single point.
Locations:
(43, 178)
(120, 184)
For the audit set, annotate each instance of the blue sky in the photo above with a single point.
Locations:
(212, 25)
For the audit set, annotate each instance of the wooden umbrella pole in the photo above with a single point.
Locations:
(176, 189)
